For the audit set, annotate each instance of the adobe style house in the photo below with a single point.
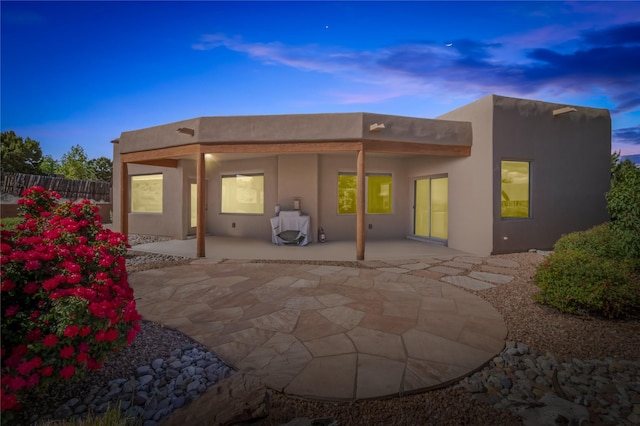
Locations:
(498, 175)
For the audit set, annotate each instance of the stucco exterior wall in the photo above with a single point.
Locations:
(570, 165)
(246, 225)
(168, 223)
(298, 178)
(341, 227)
(470, 181)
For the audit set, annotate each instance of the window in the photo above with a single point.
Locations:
(379, 194)
(378, 190)
(243, 194)
(515, 189)
(347, 183)
(146, 194)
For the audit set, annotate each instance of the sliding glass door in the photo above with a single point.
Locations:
(431, 211)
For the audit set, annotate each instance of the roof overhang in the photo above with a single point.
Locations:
(302, 133)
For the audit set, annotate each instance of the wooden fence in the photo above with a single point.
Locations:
(73, 189)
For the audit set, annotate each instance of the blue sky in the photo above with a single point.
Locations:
(83, 72)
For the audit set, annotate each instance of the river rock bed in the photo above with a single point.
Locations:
(541, 389)
(155, 390)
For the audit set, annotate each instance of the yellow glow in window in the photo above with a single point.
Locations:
(347, 195)
(379, 194)
(515, 189)
(146, 194)
(243, 194)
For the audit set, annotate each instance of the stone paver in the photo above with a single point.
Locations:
(336, 333)
(467, 282)
(447, 270)
(491, 277)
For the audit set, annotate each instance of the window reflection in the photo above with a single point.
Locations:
(515, 189)
(146, 194)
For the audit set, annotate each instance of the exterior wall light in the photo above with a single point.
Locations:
(375, 127)
(563, 110)
(186, 131)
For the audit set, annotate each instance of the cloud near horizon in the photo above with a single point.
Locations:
(606, 61)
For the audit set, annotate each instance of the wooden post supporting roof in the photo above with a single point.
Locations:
(360, 205)
(124, 199)
(200, 218)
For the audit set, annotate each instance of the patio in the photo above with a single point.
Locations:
(397, 324)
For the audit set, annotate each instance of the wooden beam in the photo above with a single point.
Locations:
(360, 206)
(410, 148)
(160, 153)
(280, 147)
(124, 198)
(162, 163)
(200, 218)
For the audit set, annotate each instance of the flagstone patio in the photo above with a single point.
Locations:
(335, 333)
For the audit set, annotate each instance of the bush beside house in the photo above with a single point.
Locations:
(66, 302)
(598, 271)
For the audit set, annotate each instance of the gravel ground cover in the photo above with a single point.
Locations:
(565, 338)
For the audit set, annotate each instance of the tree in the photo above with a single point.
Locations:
(101, 168)
(49, 165)
(19, 155)
(74, 164)
(623, 202)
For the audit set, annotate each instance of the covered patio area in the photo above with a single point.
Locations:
(219, 247)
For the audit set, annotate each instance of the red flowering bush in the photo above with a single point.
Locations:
(66, 302)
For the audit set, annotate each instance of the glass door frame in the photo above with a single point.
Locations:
(193, 205)
(429, 236)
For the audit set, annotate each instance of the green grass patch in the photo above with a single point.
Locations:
(9, 222)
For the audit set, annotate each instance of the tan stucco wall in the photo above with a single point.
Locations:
(570, 165)
(470, 179)
(171, 221)
(343, 227)
(298, 178)
(246, 225)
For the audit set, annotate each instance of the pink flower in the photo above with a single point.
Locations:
(17, 383)
(12, 310)
(67, 352)
(112, 334)
(30, 288)
(8, 401)
(74, 278)
(71, 330)
(67, 372)
(25, 368)
(6, 284)
(46, 371)
(82, 357)
(50, 341)
(33, 380)
(32, 265)
(101, 336)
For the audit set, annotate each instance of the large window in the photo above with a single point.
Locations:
(243, 194)
(379, 194)
(146, 194)
(378, 190)
(515, 189)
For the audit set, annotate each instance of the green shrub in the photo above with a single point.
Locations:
(599, 240)
(590, 272)
(9, 223)
(112, 417)
(623, 202)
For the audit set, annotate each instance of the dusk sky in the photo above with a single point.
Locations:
(83, 72)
